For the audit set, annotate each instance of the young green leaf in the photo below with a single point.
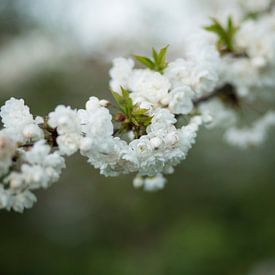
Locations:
(132, 116)
(157, 62)
(226, 35)
(145, 61)
(162, 57)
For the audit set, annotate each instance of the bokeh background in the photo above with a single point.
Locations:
(216, 215)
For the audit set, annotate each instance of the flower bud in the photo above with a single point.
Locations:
(104, 103)
(138, 181)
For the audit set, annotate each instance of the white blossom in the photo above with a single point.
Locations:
(216, 114)
(67, 123)
(150, 183)
(40, 168)
(192, 87)
(120, 73)
(95, 120)
(180, 100)
(147, 85)
(252, 6)
(251, 137)
(199, 70)
(19, 122)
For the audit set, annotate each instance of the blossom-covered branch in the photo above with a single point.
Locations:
(224, 68)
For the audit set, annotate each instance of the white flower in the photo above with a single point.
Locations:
(257, 39)
(150, 183)
(162, 119)
(189, 133)
(217, 114)
(64, 119)
(112, 157)
(68, 144)
(142, 147)
(138, 181)
(22, 200)
(39, 168)
(34, 176)
(154, 183)
(96, 121)
(50, 163)
(19, 122)
(199, 71)
(156, 142)
(67, 123)
(254, 72)
(148, 85)
(32, 132)
(164, 146)
(15, 113)
(251, 137)
(181, 100)
(179, 72)
(104, 102)
(252, 6)
(120, 73)
(171, 139)
(38, 153)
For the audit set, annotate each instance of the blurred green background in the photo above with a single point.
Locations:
(216, 215)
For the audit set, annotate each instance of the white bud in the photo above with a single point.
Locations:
(169, 170)
(92, 103)
(39, 120)
(207, 118)
(131, 135)
(165, 101)
(104, 103)
(138, 181)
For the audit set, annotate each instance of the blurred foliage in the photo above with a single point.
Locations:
(216, 215)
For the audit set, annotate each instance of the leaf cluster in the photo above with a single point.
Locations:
(133, 117)
(226, 34)
(158, 61)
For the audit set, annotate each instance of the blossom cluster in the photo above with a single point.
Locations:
(246, 73)
(27, 162)
(158, 110)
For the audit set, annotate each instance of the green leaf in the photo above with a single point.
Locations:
(162, 56)
(225, 42)
(155, 55)
(119, 100)
(124, 101)
(128, 103)
(137, 118)
(145, 61)
(158, 62)
(139, 111)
